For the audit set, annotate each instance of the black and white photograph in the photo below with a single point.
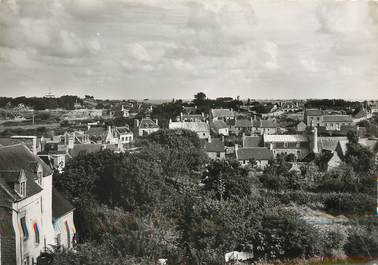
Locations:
(188, 132)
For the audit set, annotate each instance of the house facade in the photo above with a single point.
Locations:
(145, 126)
(260, 155)
(201, 128)
(298, 145)
(29, 209)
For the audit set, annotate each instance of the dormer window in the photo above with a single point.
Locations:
(39, 175)
(23, 188)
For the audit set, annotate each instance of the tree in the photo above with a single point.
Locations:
(359, 157)
(226, 179)
(199, 98)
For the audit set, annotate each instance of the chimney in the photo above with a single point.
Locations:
(209, 139)
(136, 123)
(170, 121)
(243, 137)
(181, 116)
(270, 146)
(157, 121)
(315, 140)
(35, 145)
(203, 114)
(222, 138)
(236, 147)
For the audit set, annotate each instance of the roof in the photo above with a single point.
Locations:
(368, 143)
(216, 145)
(243, 123)
(16, 157)
(337, 118)
(252, 141)
(329, 143)
(292, 138)
(222, 113)
(96, 131)
(196, 126)
(258, 153)
(14, 160)
(85, 149)
(218, 124)
(267, 124)
(147, 123)
(60, 206)
(314, 112)
(123, 130)
(361, 114)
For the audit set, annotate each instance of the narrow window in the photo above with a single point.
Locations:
(24, 228)
(68, 234)
(23, 189)
(36, 233)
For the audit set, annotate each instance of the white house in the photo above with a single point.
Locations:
(200, 127)
(145, 126)
(30, 209)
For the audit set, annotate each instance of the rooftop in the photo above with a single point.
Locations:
(147, 123)
(60, 206)
(258, 153)
(221, 113)
(292, 138)
(198, 126)
(218, 124)
(216, 145)
(314, 112)
(252, 141)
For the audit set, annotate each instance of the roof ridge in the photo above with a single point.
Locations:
(12, 145)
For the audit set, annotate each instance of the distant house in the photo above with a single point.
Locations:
(290, 106)
(301, 127)
(219, 127)
(334, 122)
(361, 115)
(119, 135)
(265, 127)
(215, 148)
(145, 126)
(201, 128)
(243, 126)
(261, 155)
(191, 117)
(222, 114)
(313, 117)
(252, 141)
(120, 111)
(298, 145)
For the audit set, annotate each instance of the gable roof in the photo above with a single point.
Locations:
(361, 114)
(329, 143)
(216, 145)
(218, 124)
(252, 141)
(196, 126)
(147, 123)
(267, 124)
(288, 138)
(221, 113)
(258, 153)
(14, 160)
(60, 206)
(243, 123)
(314, 112)
(85, 149)
(16, 157)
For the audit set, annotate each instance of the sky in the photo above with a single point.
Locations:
(163, 49)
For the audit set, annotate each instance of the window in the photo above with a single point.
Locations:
(218, 154)
(23, 188)
(26, 261)
(25, 231)
(39, 178)
(36, 233)
(68, 234)
(285, 144)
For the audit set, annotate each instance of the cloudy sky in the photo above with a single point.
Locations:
(175, 48)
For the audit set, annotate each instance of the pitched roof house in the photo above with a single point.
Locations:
(261, 155)
(28, 225)
(201, 128)
(145, 126)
